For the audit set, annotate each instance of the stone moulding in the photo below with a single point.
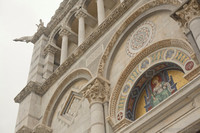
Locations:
(98, 32)
(24, 129)
(30, 87)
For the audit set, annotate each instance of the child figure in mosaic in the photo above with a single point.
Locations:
(158, 89)
(160, 92)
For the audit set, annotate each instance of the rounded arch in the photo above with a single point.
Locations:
(62, 88)
(163, 77)
(153, 6)
(69, 18)
(170, 51)
(54, 32)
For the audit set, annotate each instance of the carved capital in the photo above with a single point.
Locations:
(97, 91)
(42, 129)
(81, 13)
(52, 49)
(186, 12)
(65, 32)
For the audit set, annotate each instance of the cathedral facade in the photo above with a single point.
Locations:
(114, 66)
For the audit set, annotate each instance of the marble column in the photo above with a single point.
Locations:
(100, 11)
(97, 94)
(188, 16)
(80, 14)
(64, 48)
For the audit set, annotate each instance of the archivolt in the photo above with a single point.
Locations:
(56, 97)
(134, 63)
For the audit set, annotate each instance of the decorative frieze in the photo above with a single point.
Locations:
(186, 12)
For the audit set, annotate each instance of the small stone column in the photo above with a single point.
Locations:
(97, 93)
(188, 16)
(80, 14)
(100, 11)
(64, 48)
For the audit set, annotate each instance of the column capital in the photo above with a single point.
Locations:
(81, 13)
(189, 10)
(52, 49)
(98, 90)
(65, 31)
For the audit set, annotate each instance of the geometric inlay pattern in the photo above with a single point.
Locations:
(140, 37)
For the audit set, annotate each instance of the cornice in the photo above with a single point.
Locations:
(30, 87)
(60, 13)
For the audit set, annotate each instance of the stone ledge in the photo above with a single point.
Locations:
(41, 128)
(30, 87)
(24, 129)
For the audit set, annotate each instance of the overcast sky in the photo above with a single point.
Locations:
(17, 19)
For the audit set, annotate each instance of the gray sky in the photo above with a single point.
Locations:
(17, 19)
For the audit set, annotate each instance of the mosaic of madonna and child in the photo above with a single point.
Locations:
(158, 89)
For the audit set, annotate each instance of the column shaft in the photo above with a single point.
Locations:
(195, 28)
(100, 11)
(97, 118)
(81, 30)
(64, 49)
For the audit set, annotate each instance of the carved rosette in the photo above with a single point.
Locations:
(81, 13)
(188, 11)
(97, 91)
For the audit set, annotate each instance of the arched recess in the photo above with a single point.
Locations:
(62, 88)
(119, 36)
(165, 52)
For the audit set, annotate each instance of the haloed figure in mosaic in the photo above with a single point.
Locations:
(159, 88)
(160, 92)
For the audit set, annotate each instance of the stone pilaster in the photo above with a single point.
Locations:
(65, 32)
(50, 52)
(188, 17)
(81, 14)
(97, 93)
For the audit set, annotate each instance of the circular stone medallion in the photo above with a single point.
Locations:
(140, 37)
(189, 65)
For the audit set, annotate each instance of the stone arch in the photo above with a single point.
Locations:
(62, 88)
(54, 32)
(68, 19)
(133, 67)
(153, 6)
